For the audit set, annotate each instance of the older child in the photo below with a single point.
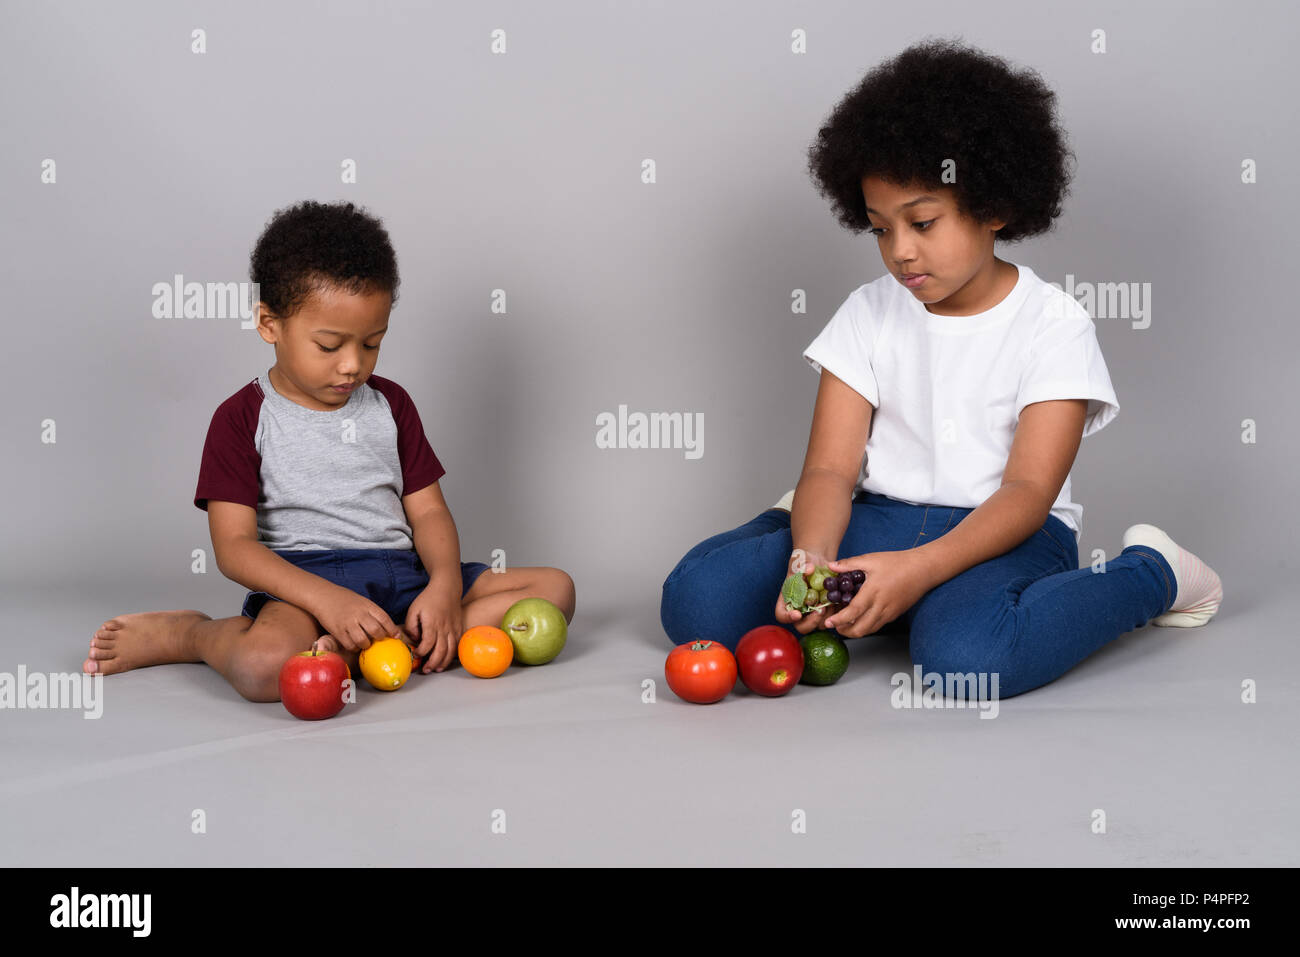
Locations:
(321, 489)
(954, 394)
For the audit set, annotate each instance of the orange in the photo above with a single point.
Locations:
(485, 651)
(386, 664)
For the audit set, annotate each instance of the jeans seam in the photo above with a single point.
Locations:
(951, 512)
(1065, 552)
(921, 533)
(1169, 601)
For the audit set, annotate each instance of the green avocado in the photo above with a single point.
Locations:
(825, 658)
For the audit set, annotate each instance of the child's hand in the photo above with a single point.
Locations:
(434, 624)
(895, 582)
(802, 563)
(804, 624)
(353, 620)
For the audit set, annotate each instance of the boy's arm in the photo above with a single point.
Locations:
(243, 559)
(436, 540)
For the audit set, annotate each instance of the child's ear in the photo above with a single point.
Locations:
(269, 325)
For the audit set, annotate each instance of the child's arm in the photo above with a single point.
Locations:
(351, 618)
(1042, 453)
(436, 618)
(436, 540)
(244, 559)
(823, 497)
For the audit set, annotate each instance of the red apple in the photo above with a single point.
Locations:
(311, 684)
(770, 660)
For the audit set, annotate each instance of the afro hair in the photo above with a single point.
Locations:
(313, 245)
(939, 100)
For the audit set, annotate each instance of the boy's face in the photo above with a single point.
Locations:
(933, 238)
(332, 340)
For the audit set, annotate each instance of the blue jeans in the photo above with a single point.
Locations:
(1029, 615)
(390, 577)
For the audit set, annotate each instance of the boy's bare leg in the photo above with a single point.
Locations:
(250, 656)
(493, 593)
(247, 653)
(144, 638)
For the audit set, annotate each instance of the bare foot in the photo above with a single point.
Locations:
(141, 639)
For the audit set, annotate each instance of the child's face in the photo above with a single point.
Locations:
(332, 340)
(952, 250)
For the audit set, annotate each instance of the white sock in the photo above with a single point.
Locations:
(1199, 589)
(787, 500)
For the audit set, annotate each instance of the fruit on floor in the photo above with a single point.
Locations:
(386, 664)
(485, 651)
(536, 628)
(825, 658)
(770, 660)
(701, 671)
(311, 684)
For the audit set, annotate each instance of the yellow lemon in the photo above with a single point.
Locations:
(386, 664)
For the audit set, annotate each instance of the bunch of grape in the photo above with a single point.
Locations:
(821, 589)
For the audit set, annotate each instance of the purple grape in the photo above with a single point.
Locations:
(833, 597)
(843, 582)
(859, 576)
(849, 590)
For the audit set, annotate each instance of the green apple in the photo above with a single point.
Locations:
(536, 628)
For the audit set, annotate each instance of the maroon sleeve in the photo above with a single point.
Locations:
(230, 470)
(420, 467)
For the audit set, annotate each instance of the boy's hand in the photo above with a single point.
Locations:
(353, 620)
(895, 582)
(434, 624)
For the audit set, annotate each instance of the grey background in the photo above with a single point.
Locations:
(522, 172)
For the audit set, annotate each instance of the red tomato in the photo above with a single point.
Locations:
(770, 660)
(701, 671)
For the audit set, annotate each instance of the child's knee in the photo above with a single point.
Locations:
(561, 590)
(973, 650)
(257, 664)
(678, 589)
(685, 593)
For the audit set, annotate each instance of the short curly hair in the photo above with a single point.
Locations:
(311, 245)
(940, 100)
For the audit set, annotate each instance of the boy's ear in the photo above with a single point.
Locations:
(267, 326)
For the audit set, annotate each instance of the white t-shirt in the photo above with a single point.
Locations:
(948, 390)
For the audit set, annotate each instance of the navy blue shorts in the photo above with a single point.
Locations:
(389, 577)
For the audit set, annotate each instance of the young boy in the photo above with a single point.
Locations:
(321, 489)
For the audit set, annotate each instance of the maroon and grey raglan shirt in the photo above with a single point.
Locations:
(319, 480)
